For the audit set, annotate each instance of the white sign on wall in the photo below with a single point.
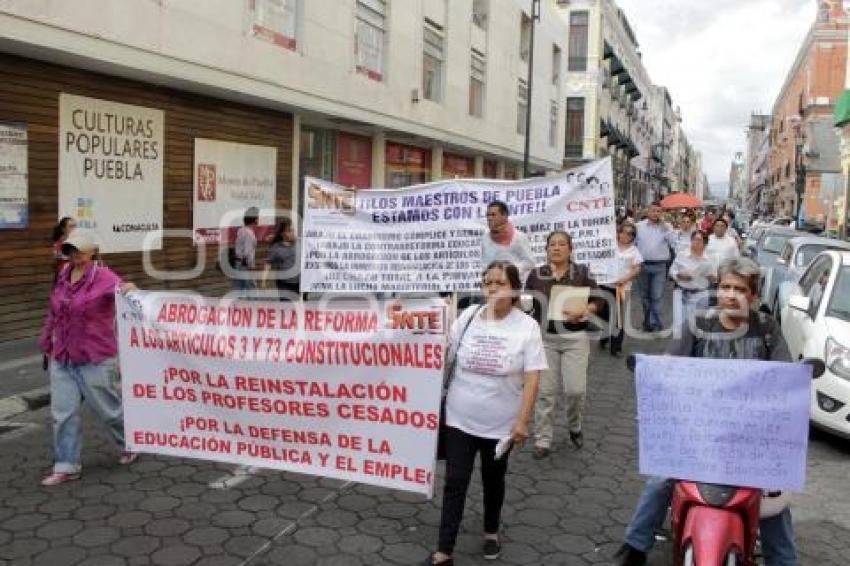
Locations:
(229, 178)
(14, 199)
(111, 170)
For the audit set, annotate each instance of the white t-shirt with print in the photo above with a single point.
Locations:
(624, 259)
(486, 394)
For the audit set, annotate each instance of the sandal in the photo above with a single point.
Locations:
(430, 561)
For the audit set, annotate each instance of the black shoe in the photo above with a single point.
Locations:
(492, 549)
(577, 439)
(540, 452)
(430, 562)
(629, 556)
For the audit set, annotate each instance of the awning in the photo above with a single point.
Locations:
(842, 109)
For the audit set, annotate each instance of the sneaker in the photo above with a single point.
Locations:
(540, 452)
(577, 439)
(57, 478)
(629, 556)
(492, 549)
(128, 458)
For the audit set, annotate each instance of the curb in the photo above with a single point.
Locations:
(31, 400)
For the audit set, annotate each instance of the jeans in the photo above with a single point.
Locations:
(70, 385)
(460, 459)
(777, 534)
(651, 281)
(567, 356)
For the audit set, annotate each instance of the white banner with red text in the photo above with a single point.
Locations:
(427, 238)
(343, 389)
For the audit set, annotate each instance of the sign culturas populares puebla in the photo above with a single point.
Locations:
(230, 178)
(14, 186)
(111, 170)
(427, 238)
(731, 422)
(342, 390)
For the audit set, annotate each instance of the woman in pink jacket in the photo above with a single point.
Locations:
(79, 338)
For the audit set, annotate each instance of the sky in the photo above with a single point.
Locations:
(720, 60)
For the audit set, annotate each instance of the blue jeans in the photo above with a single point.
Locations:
(70, 385)
(653, 276)
(777, 533)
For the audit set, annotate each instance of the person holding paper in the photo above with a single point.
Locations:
(721, 246)
(79, 338)
(561, 290)
(490, 399)
(628, 262)
(694, 274)
(734, 330)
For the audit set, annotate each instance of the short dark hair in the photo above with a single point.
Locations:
(702, 233)
(511, 272)
(655, 203)
(251, 216)
(284, 225)
(721, 219)
(503, 208)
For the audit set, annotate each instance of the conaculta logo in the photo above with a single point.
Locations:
(206, 182)
(341, 200)
(428, 321)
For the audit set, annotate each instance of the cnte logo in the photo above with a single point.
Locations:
(431, 321)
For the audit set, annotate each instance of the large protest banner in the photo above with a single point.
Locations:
(110, 171)
(731, 422)
(340, 389)
(427, 238)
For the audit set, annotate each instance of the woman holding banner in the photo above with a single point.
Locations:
(79, 338)
(562, 305)
(489, 403)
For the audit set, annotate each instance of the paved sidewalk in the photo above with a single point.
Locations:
(567, 510)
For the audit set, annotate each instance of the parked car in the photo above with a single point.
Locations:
(796, 256)
(816, 324)
(752, 237)
(767, 249)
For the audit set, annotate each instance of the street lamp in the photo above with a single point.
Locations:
(799, 168)
(535, 15)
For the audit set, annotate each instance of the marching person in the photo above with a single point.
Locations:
(61, 231)
(732, 331)
(721, 246)
(504, 242)
(79, 338)
(245, 248)
(694, 274)
(628, 264)
(654, 239)
(491, 398)
(283, 261)
(565, 341)
(686, 228)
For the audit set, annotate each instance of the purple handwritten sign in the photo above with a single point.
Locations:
(732, 422)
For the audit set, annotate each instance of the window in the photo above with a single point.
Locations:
(574, 146)
(521, 107)
(275, 21)
(787, 170)
(479, 13)
(476, 84)
(432, 62)
(369, 38)
(524, 37)
(556, 66)
(553, 123)
(578, 41)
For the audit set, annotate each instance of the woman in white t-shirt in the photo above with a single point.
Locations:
(628, 261)
(491, 398)
(694, 274)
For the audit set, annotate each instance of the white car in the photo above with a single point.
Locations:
(816, 324)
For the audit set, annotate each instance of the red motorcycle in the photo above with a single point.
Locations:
(717, 525)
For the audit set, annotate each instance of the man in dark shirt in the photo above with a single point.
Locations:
(731, 331)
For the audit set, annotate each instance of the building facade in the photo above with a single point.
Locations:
(368, 93)
(803, 154)
(756, 153)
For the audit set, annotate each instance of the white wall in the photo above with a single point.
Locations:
(205, 46)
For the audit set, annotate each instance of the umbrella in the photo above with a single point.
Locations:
(681, 200)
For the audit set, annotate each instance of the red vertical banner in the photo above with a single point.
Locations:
(458, 166)
(354, 160)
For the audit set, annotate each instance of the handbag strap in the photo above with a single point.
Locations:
(453, 354)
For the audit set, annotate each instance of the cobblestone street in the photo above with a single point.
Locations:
(568, 509)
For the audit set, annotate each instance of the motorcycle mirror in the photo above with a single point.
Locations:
(818, 367)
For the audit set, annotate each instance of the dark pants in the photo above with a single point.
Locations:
(460, 459)
(613, 334)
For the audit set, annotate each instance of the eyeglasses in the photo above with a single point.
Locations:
(629, 233)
